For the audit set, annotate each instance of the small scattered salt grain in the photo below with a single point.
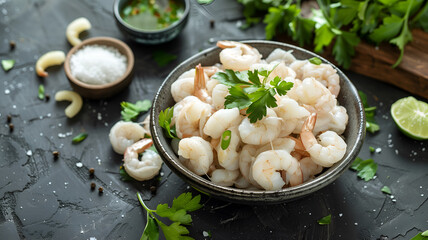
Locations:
(98, 64)
(396, 151)
(340, 214)
(205, 234)
(29, 153)
(378, 150)
(79, 164)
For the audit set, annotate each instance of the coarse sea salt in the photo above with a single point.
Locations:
(98, 64)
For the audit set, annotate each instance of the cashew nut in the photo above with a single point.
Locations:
(75, 28)
(74, 98)
(47, 60)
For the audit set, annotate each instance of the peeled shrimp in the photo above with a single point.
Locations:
(262, 131)
(330, 149)
(149, 165)
(238, 56)
(124, 134)
(197, 154)
(267, 169)
(200, 85)
(335, 120)
(49, 59)
(247, 157)
(229, 158)
(224, 177)
(220, 121)
(219, 94)
(192, 118)
(281, 55)
(325, 74)
(309, 168)
(184, 85)
(291, 113)
(312, 93)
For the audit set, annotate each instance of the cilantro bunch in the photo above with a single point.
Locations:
(248, 91)
(177, 213)
(341, 23)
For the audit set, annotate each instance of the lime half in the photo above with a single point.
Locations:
(411, 117)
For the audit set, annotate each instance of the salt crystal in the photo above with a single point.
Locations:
(98, 64)
(205, 234)
(79, 164)
(378, 150)
(396, 151)
(29, 153)
(6, 91)
(356, 224)
(340, 214)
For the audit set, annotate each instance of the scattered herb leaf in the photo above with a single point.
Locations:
(421, 236)
(165, 118)
(315, 61)
(177, 213)
(372, 149)
(386, 189)
(41, 92)
(79, 138)
(325, 220)
(205, 1)
(7, 64)
(370, 111)
(163, 58)
(247, 90)
(130, 111)
(225, 139)
(124, 176)
(366, 168)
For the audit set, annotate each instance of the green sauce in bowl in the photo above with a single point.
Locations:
(152, 14)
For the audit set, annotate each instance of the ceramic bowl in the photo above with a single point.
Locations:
(105, 90)
(150, 36)
(354, 133)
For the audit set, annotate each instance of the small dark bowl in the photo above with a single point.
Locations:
(354, 133)
(150, 36)
(105, 90)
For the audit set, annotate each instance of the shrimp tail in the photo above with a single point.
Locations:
(200, 85)
(140, 146)
(309, 124)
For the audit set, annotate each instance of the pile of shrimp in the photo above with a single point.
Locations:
(290, 145)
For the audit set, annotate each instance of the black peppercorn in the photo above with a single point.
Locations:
(11, 127)
(91, 171)
(153, 189)
(93, 185)
(47, 97)
(9, 118)
(12, 45)
(55, 154)
(100, 189)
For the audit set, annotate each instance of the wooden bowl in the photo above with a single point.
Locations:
(93, 91)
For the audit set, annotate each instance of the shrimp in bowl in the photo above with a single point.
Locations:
(252, 128)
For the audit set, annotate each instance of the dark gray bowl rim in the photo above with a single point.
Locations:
(139, 30)
(258, 196)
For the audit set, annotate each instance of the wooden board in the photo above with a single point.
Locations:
(376, 62)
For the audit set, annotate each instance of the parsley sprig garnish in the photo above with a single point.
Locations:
(366, 168)
(177, 213)
(248, 91)
(130, 111)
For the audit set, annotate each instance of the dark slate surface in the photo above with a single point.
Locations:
(46, 199)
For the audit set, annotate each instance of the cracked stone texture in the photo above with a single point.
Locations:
(43, 198)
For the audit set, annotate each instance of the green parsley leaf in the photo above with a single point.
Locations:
(124, 176)
(41, 92)
(165, 118)
(302, 29)
(391, 27)
(225, 139)
(174, 231)
(163, 58)
(7, 64)
(325, 220)
(386, 189)
(323, 37)
(176, 213)
(230, 78)
(131, 111)
(79, 138)
(372, 149)
(344, 48)
(261, 101)
(371, 125)
(366, 168)
(315, 61)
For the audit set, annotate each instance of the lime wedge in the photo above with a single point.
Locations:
(411, 117)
